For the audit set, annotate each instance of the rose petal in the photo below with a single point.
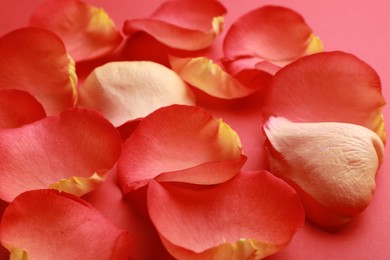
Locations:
(87, 31)
(182, 24)
(249, 217)
(124, 91)
(180, 143)
(272, 33)
(333, 165)
(35, 60)
(209, 77)
(47, 224)
(18, 108)
(328, 87)
(52, 151)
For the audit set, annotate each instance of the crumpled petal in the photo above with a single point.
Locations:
(251, 216)
(180, 144)
(331, 165)
(203, 73)
(47, 224)
(35, 60)
(52, 151)
(328, 87)
(182, 24)
(18, 108)
(271, 33)
(87, 31)
(127, 90)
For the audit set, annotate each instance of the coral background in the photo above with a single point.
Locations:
(357, 27)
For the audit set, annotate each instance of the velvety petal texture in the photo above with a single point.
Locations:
(62, 227)
(328, 87)
(273, 33)
(87, 31)
(180, 144)
(182, 24)
(127, 90)
(18, 108)
(70, 152)
(251, 216)
(35, 60)
(211, 78)
(332, 165)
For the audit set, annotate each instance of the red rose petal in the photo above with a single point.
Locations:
(251, 216)
(328, 87)
(182, 24)
(87, 31)
(272, 33)
(180, 143)
(124, 91)
(333, 165)
(47, 224)
(52, 151)
(18, 108)
(35, 60)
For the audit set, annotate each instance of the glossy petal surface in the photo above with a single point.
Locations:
(35, 60)
(328, 87)
(62, 227)
(18, 108)
(333, 165)
(272, 33)
(249, 217)
(87, 31)
(182, 24)
(180, 144)
(124, 91)
(210, 77)
(70, 152)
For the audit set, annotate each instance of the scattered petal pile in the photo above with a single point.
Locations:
(126, 164)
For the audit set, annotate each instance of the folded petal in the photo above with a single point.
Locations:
(47, 224)
(251, 216)
(180, 144)
(182, 24)
(328, 87)
(35, 60)
(332, 165)
(272, 33)
(87, 31)
(127, 90)
(209, 77)
(70, 152)
(18, 108)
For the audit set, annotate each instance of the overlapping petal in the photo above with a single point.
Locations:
(47, 224)
(180, 144)
(272, 33)
(18, 108)
(211, 78)
(328, 87)
(35, 60)
(332, 165)
(127, 90)
(182, 24)
(70, 152)
(249, 217)
(87, 31)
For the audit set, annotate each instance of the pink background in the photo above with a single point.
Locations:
(357, 27)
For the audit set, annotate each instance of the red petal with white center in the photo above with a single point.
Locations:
(70, 152)
(124, 91)
(249, 217)
(87, 31)
(47, 224)
(180, 144)
(35, 60)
